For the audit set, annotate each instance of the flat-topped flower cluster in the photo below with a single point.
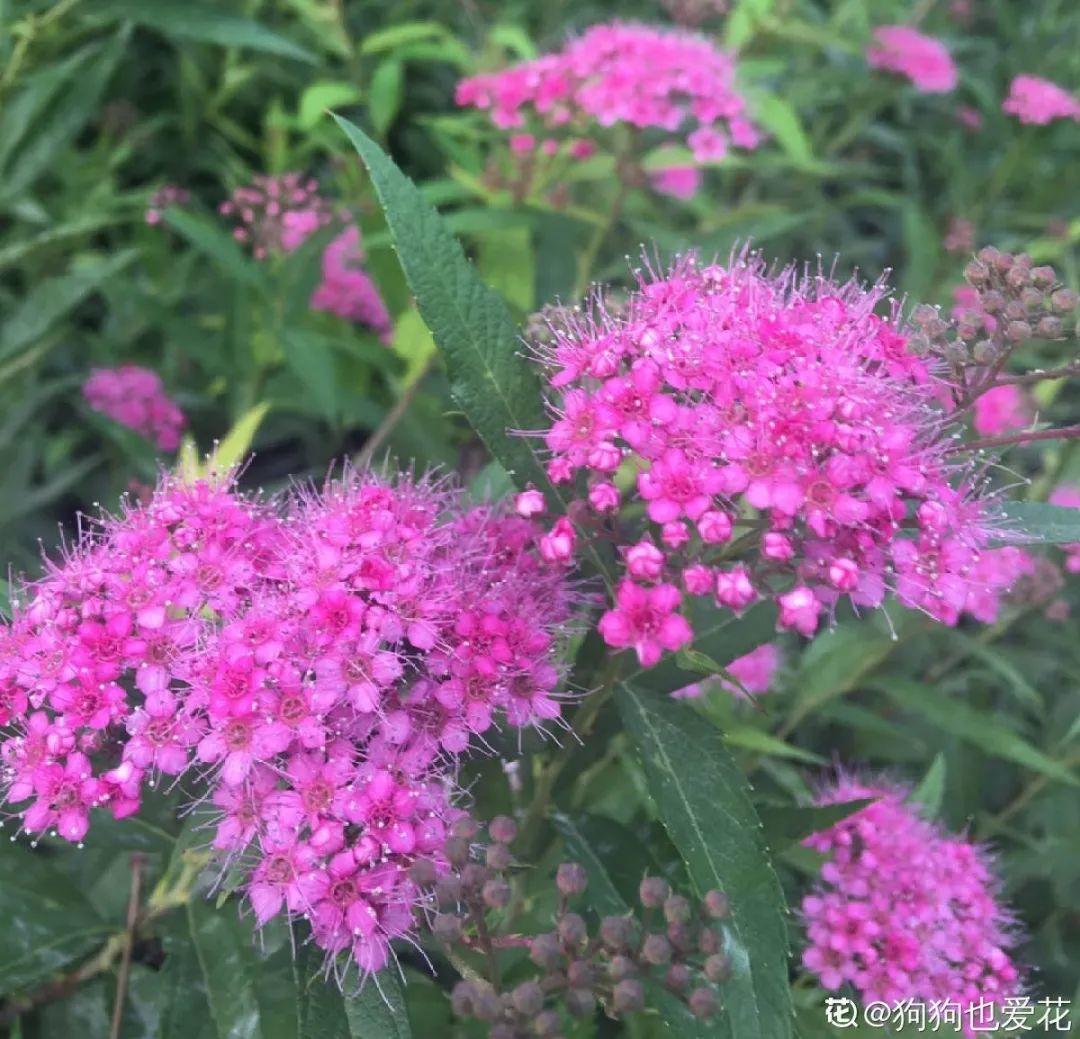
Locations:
(622, 74)
(322, 660)
(772, 437)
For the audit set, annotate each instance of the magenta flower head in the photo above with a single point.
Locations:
(321, 661)
(135, 398)
(1039, 101)
(347, 290)
(923, 60)
(770, 436)
(622, 74)
(905, 910)
(274, 215)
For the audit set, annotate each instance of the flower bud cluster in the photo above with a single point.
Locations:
(577, 968)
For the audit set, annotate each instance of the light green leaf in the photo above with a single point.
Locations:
(930, 793)
(204, 23)
(385, 94)
(703, 802)
(320, 97)
(400, 35)
(1038, 523)
(985, 731)
(236, 444)
(414, 344)
(780, 119)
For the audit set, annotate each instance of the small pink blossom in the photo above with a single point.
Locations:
(530, 503)
(1001, 410)
(645, 619)
(923, 60)
(135, 398)
(1039, 101)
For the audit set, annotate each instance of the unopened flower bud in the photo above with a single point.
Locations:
(462, 999)
(474, 876)
(446, 927)
(1049, 327)
(448, 889)
(572, 930)
(457, 851)
(622, 967)
(1032, 299)
(923, 314)
(718, 967)
(656, 950)
(581, 974)
(422, 872)
(1018, 278)
(545, 951)
(528, 998)
(1015, 310)
(653, 891)
(496, 893)
(988, 255)
(1004, 262)
(1018, 331)
(617, 932)
(571, 878)
(529, 503)
(984, 352)
(708, 941)
(993, 302)
(502, 829)
(1043, 277)
(1063, 301)
(702, 1003)
(677, 910)
(580, 1002)
(681, 936)
(465, 828)
(977, 273)
(628, 997)
(717, 904)
(548, 1024)
(677, 978)
(498, 857)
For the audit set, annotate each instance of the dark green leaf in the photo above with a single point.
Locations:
(986, 731)
(378, 1010)
(216, 245)
(48, 922)
(930, 793)
(203, 22)
(789, 824)
(704, 803)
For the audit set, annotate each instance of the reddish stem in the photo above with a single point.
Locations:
(1062, 433)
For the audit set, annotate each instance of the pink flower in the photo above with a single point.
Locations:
(799, 609)
(557, 546)
(645, 619)
(135, 398)
(921, 59)
(164, 197)
(347, 290)
(784, 405)
(1039, 101)
(753, 673)
(276, 214)
(530, 503)
(905, 911)
(1000, 410)
(681, 182)
(622, 74)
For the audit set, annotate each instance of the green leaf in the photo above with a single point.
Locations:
(749, 738)
(311, 360)
(59, 124)
(414, 344)
(54, 298)
(781, 120)
(377, 1011)
(204, 23)
(48, 921)
(985, 731)
(236, 444)
(320, 97)
(497, 389)
(1039, 523)
(507, 262)
(930, 793)
(385, 94)
(704, 804)
(216, 245)
(790, 824)
(400, 35)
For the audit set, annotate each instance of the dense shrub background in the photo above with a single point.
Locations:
(102, 101)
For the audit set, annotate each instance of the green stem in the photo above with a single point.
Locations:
(588, 258)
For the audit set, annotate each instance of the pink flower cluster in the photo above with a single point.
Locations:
(322, 661)
(135, 398)
(1068, 497)
(1039, 101)
(347, 290)
(623, 74)
(165, 196)
(905, 910)
(781, 441)
(923, 60)
(1001, 410)
(277, 214)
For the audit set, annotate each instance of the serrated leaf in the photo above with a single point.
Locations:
(378, 1011)
(492, 383)
(204, 23)
(1038, 523)
(704, 804)
(985, 731)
